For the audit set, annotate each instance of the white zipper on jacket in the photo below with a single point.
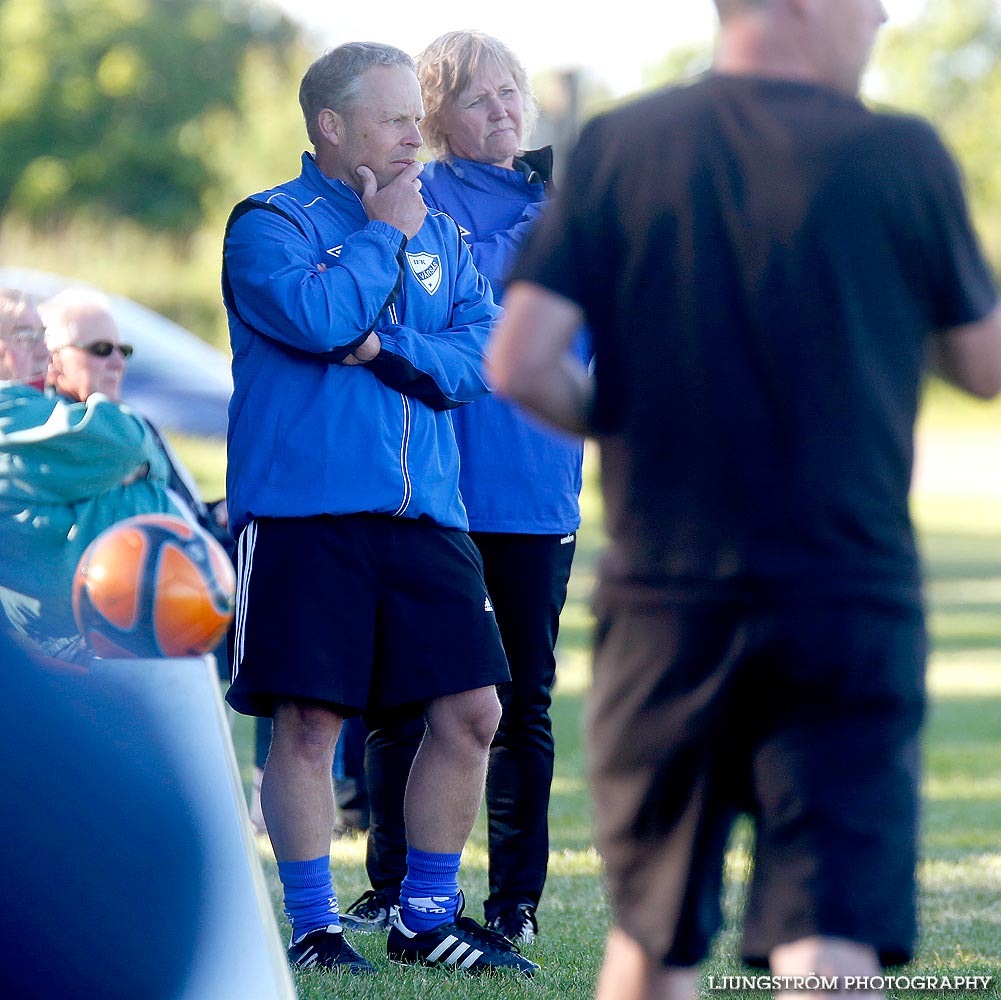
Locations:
(408, 489)
(408, 486)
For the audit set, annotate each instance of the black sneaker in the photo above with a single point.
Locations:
(372, 911)
(463, 944)
(516, 923)
(326, 948)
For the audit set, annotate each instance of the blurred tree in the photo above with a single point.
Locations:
(684, 62)
(102, 102)
(946, 65)
(258, 142)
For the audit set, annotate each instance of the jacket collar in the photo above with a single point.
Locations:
(322, 184)
(536, 165)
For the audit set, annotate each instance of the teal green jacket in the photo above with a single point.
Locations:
(68, 470)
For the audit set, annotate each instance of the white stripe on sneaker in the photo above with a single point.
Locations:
(470, 959)
(456, 953)
(442, 948)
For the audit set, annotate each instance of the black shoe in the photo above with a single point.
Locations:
(326, 948)
(516, 923)
(463, 944)
(370, 912)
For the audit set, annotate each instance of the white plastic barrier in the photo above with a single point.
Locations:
(239, 952)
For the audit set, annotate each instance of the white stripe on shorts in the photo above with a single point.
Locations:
(244, 565)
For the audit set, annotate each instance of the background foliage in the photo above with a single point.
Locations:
(947, 66)
(106, 105)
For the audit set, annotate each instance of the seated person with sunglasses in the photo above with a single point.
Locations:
(88, 356)
(73, 461)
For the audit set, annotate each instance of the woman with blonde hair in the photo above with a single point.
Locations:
(520, 484)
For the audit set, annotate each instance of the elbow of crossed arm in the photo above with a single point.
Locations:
(399, 373)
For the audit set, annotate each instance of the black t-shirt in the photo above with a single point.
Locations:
(761, 263)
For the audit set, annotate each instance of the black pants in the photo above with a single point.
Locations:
(526, 577)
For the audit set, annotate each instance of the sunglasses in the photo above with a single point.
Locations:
(103, 348)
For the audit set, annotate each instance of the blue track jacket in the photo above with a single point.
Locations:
(306, 277)
(518, 476)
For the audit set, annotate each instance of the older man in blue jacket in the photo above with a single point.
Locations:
(358, 321)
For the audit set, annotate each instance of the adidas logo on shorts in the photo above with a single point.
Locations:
(487, 606)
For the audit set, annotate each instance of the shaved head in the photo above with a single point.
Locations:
(827, 42)
(727, 7)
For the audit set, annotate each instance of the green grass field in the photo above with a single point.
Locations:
(960, 875)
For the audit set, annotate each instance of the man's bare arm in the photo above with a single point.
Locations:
(528, 358)
(970, 356)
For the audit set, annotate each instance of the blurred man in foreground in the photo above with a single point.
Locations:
(765, 265)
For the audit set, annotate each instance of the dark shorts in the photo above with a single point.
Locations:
(806, 718)
(361, 612)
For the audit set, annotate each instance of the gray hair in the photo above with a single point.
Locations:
(334, 79)
(13, 305)
(445, 69)
(62, 312)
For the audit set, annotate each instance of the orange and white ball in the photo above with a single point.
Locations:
(153, 585)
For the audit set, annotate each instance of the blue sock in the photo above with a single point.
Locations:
(429, 895)
(309, 895)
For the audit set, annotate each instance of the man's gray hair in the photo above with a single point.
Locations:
(334, 79)
(13, 305)
(62, 313)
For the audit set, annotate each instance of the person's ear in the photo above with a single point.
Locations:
(331, 125)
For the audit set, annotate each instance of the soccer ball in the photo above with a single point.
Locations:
(153, 585)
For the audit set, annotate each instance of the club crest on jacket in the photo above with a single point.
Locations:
(427, 268)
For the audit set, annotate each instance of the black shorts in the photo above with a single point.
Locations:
(361, 612)
(807, 718)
